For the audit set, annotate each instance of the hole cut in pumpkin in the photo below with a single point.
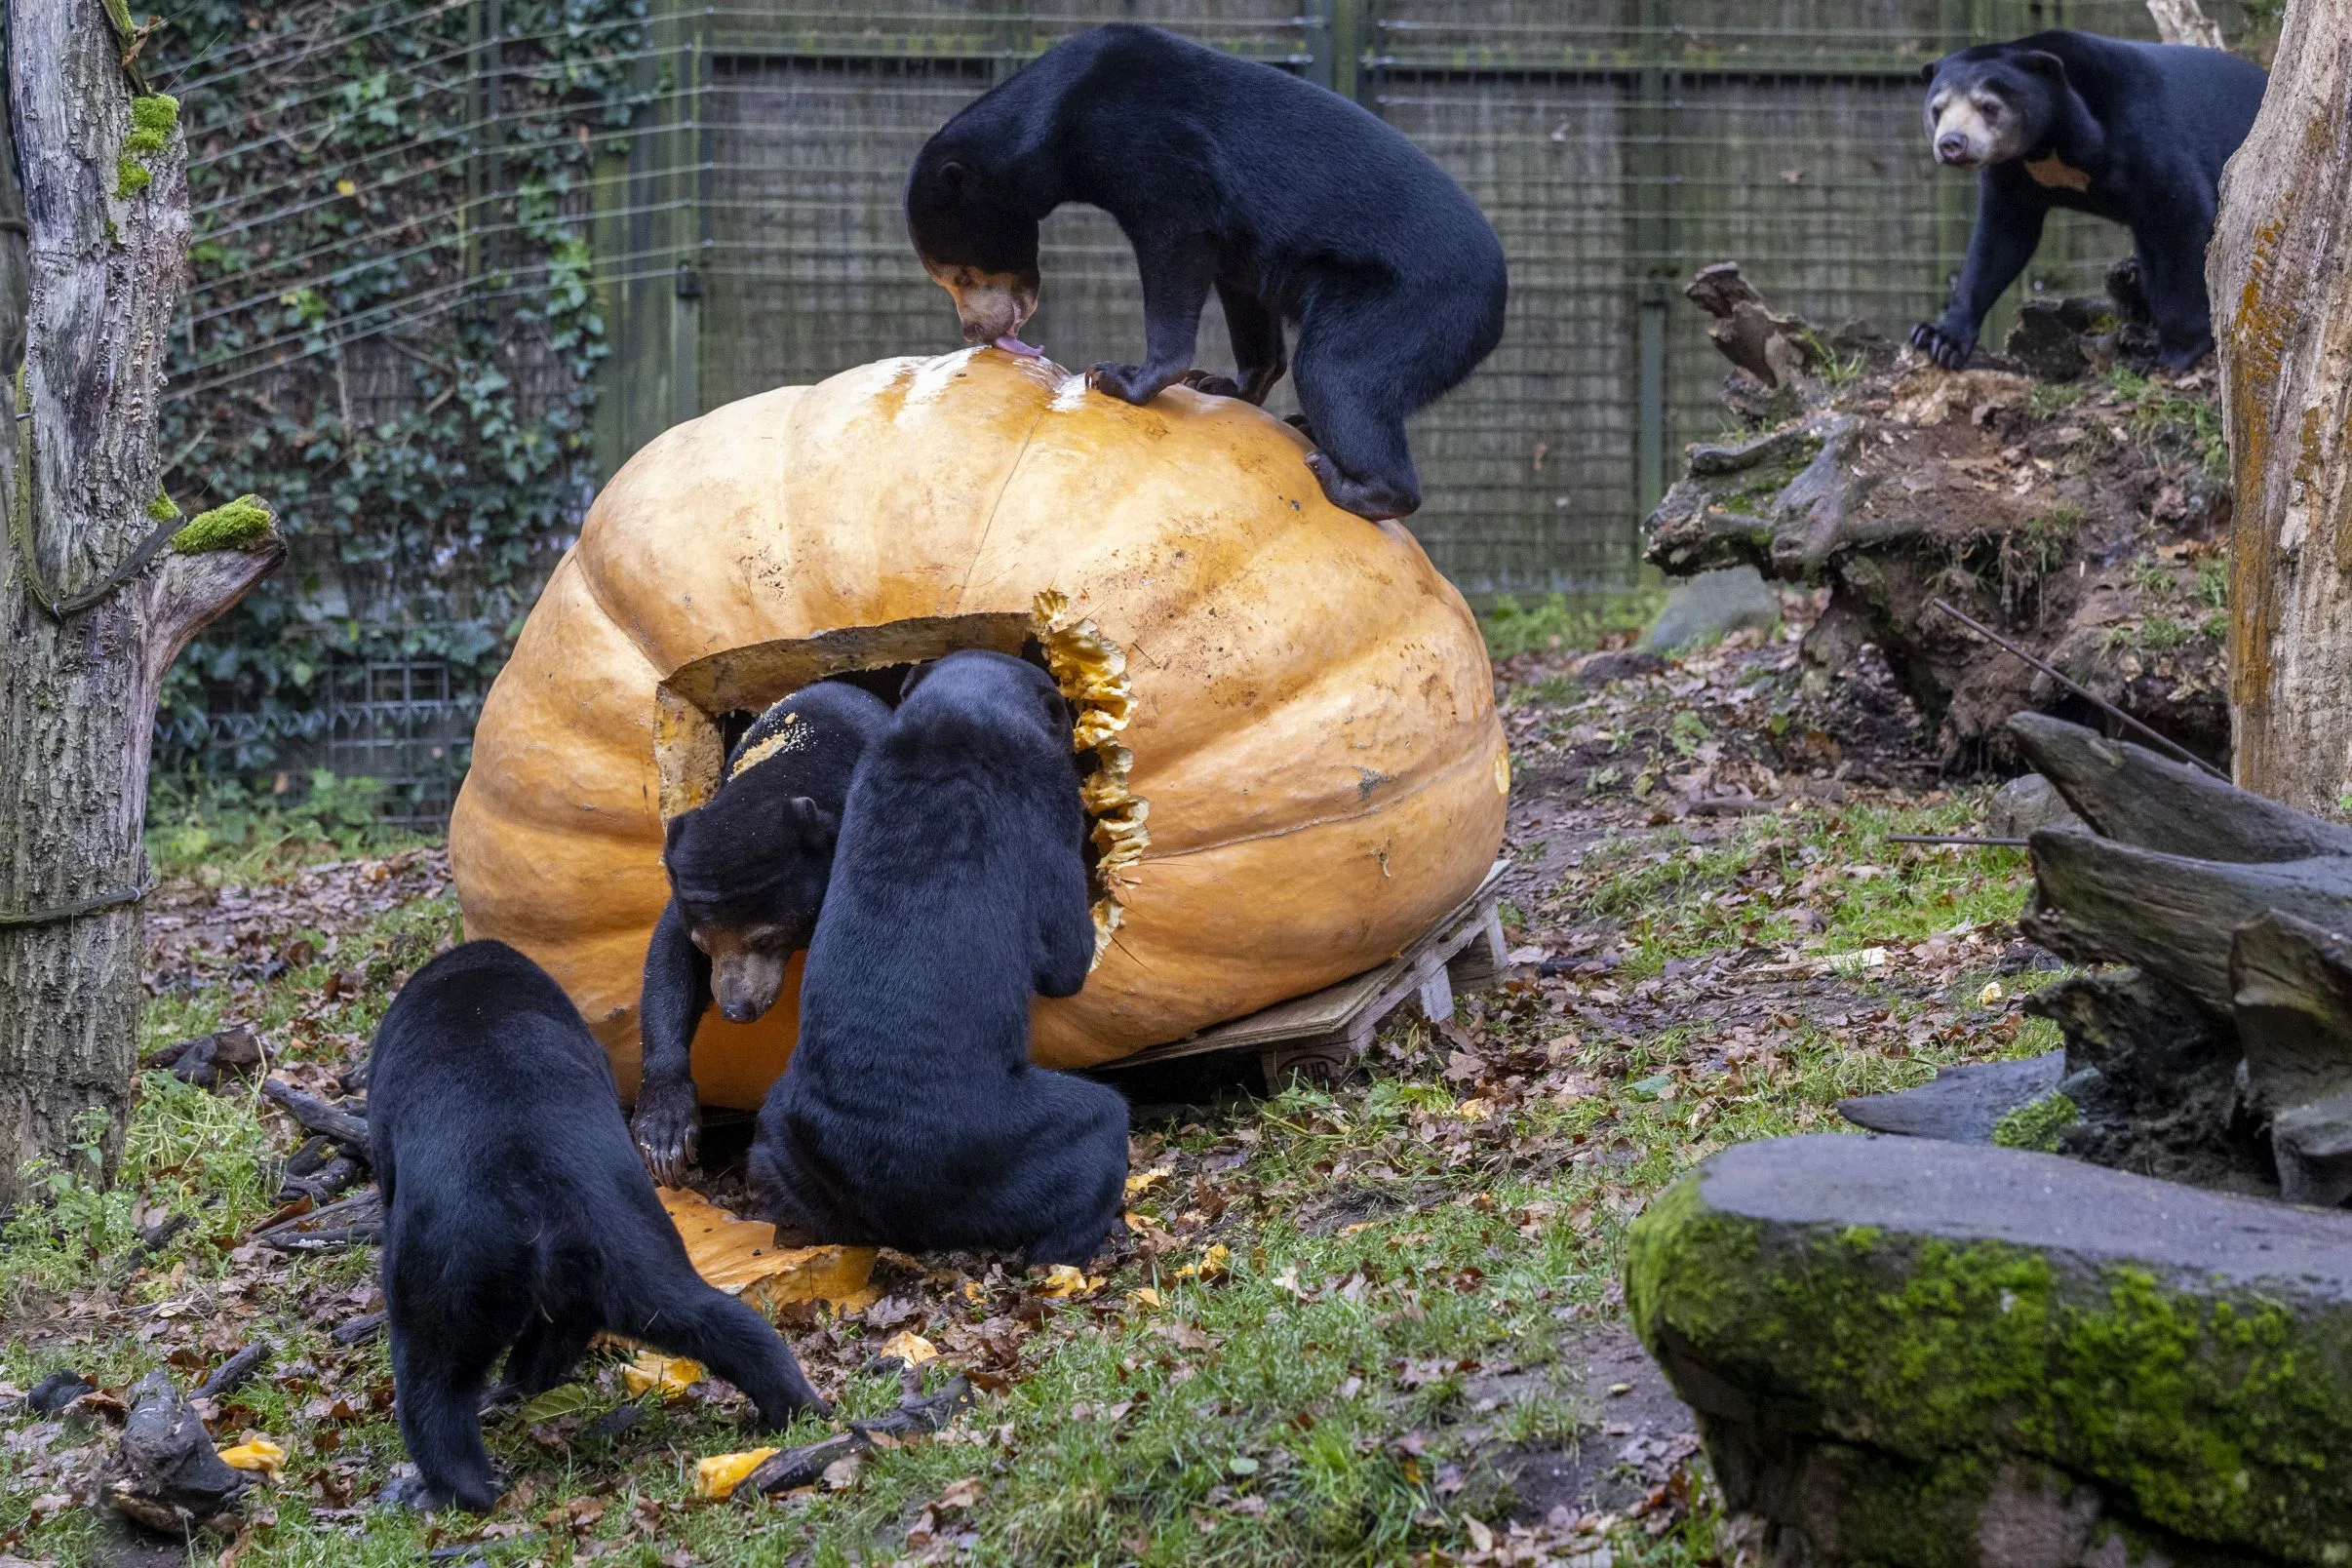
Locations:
(705, 706)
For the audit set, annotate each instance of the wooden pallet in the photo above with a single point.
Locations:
(1329, 1028)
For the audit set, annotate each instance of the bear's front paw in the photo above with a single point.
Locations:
(1940, 346)
(1213, 384)
(1129, 383)
(667, 1126)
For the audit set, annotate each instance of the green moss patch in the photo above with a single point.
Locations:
(2037, 1123)
(2223, 1413)
(241, 522)
(153, 118)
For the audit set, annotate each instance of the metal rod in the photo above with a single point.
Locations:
(2163, 743)
(1956, 838)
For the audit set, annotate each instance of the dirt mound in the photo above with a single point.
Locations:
(2082, 519)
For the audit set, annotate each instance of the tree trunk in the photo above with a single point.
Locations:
(2279, 272)
(92, 275)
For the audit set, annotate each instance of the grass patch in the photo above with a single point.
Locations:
(1559, 623)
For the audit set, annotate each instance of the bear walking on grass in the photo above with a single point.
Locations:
(2133, 132)
(518, 1219)
(747, 875)
(1292, 203)
(910, 1115)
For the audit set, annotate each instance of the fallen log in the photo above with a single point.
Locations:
(2099, 900)
(2292, 986)
(317, 1116)
(2132, 796)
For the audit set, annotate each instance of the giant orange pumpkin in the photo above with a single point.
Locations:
(1301, 764)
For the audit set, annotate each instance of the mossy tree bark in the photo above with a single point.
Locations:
(92, 241)
(2280, 273)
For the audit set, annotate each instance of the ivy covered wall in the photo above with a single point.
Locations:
(391, 331)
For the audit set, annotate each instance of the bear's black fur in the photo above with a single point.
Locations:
(2133, 132)
(910, 1115)
(1292, 203)
(519, 1219)
(747, 874)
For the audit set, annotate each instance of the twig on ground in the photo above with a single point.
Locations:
(316, 1115)
(232, 1374)
(2164, 743)
(806, 1465)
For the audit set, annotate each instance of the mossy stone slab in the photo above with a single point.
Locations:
(1922, 1353)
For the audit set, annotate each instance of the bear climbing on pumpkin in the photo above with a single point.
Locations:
(2133, 132)
(1292, 203)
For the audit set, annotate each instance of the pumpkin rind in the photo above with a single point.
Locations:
(1313, 726)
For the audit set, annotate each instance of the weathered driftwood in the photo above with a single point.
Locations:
(1778, 350)
(165, 1472)
(2101, 901)
(2129, 793)
(2291, 984)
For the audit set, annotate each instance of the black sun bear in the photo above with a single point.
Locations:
(1292, 203)
(910, 1115)
(518, 1218)
(747, 876)
(2133, 132)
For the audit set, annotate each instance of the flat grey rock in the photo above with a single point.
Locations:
(1710, 607)
(1904, 1351)
(1964, 1104)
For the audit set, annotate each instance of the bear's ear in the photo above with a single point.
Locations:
(816, 825)
(2042, 63)
(953, 176)
(1927, 72)
(906, 688)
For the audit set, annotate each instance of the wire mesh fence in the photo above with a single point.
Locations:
(740, 227)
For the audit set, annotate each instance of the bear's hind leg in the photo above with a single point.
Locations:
(2173, 278)
(1353, 388)
(1078, 1191)
(547, 1353)
(438, 1379)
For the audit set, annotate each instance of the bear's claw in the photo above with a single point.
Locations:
(1940, 346)
(667, 1126)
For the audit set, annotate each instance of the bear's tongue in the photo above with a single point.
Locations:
(1013, 345)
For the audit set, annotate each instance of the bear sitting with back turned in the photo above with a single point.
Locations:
(747, 875)
(910, 1115)
(518, 1218)
(1291, 202)
(2133, 132)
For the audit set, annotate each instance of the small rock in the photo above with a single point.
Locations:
(2027, 804)
(1964, 1104)
(1599, 669)
(1710, 607)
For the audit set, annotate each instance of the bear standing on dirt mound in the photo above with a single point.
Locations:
(518, 1218)
(910, 1115)
(747, 874)
(2133, 132)
(1292, 203)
